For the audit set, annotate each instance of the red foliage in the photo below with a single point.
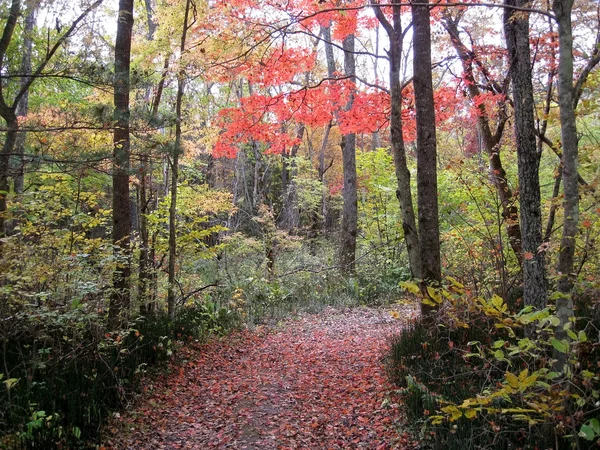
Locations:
(345, 24)
(370, 112)
(316, 383)
(281, 66)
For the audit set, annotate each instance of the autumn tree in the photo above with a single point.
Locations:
(349, 225)
(121, 233)
(564, 304)
(482, 91)
(403, 192)
(23, 106)
(428, 219)
(9, 106)
(516, 29)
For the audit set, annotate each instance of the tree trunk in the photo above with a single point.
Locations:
(516, 30)
(8, 114)
(23, 105)
(403, 192)
(173, 226)
(120, 298)
(178, 150)
(290, 214)
(564, 303)
(429, 234)
(326, 34)
(349, 227)
(144, 263)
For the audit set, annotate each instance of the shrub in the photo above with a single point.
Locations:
(63, 374)
(484, 377)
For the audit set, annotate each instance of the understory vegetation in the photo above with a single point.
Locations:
(483, 374)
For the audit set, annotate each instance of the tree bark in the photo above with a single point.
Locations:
(516, 30)
(404, 190)
(326, 34)
(349, 227)
(564, 304)
(429, 233)
(120, 298)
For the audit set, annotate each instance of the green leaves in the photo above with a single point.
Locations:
(590, 430)
(561, 346)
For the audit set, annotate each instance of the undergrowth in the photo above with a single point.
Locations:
(63, 374)
(477, 375)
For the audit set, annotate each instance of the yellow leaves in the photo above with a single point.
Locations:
(512, 380)
(395, 314)
(522, 381)
(470, 413)
(428, 302)
(453, 412)
(434, 294)
(456, 412)
(498, 303)
(411, 287)
(494, 307)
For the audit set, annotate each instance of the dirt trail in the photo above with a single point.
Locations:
(316, 382)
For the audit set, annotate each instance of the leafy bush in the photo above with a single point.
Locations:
(484, 377)
(63, 374)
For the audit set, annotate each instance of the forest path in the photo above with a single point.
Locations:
(315, 382)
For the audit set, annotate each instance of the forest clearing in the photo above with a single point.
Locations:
(300, 224)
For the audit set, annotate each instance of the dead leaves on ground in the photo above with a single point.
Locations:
(316, 382)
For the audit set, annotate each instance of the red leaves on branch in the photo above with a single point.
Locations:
(370, 113)
(281, 66)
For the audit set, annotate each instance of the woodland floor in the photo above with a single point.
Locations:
(313, 382)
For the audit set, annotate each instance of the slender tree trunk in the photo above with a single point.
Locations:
(257, 178)
(564, 304)
(8, 114)
(349, 227)
(429, 233)
(144, 274)
(403, 192)
(23, 105)
(326, 34)
(376, 136)
(173, 231)
(10, 139)
(147, 251)
(177, 151)
(554, 206)
(290, 215)
(120, 298)
(516, 30)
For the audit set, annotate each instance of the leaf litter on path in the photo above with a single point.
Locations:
(314, 382)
